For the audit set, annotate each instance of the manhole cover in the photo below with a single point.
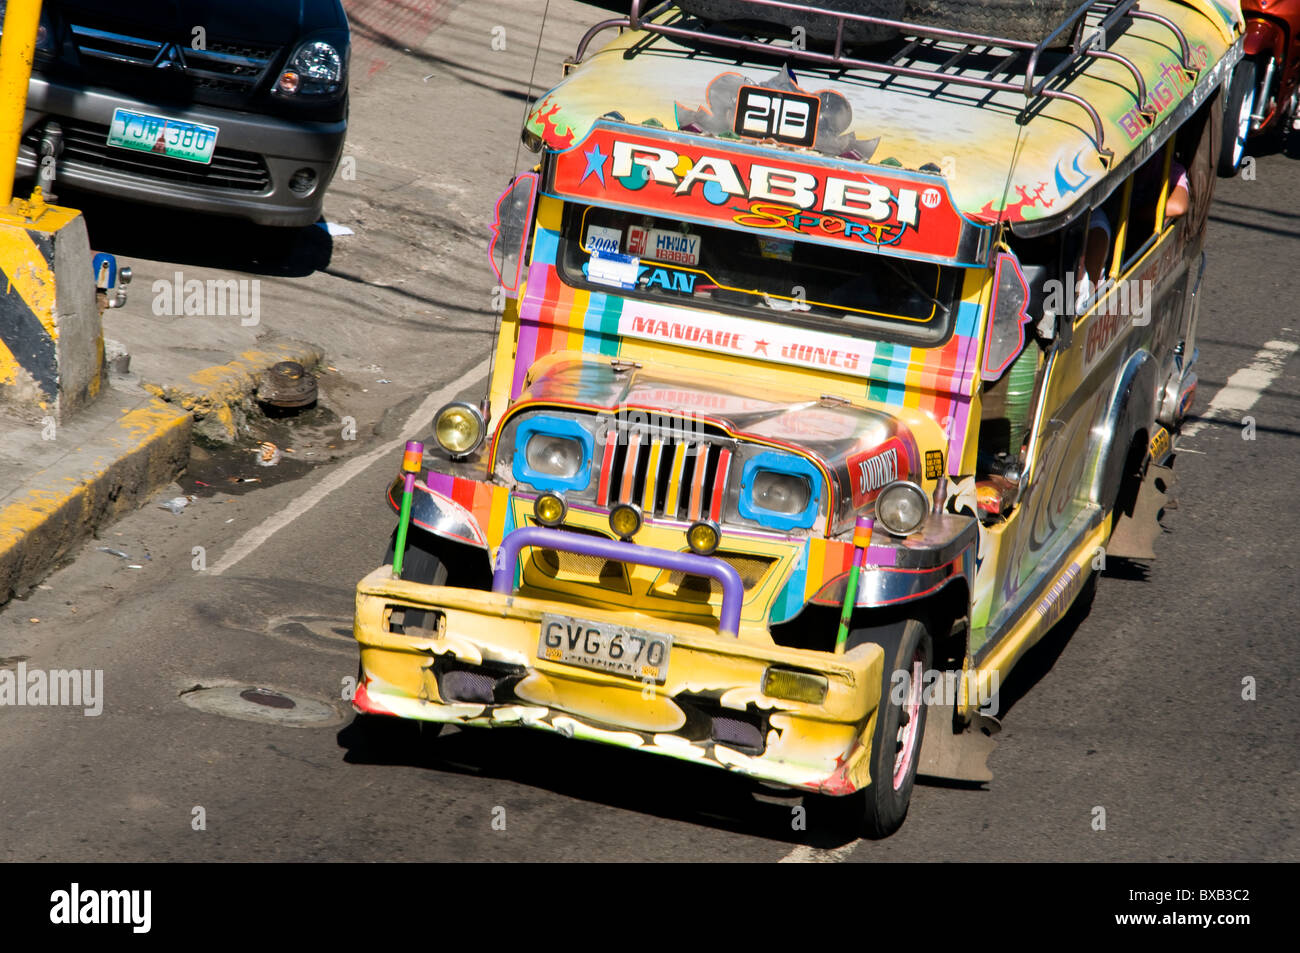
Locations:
(257, 703)
(264, 696)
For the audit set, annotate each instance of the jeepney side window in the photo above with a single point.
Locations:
(638, 255)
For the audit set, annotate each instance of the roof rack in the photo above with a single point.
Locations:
(1089, 29)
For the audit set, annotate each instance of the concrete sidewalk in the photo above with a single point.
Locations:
(59, 483)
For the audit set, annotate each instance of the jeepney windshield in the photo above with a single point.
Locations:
(829, 288)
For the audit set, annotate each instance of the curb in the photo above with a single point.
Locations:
(142, 452)
(215, 396)
(136, 455)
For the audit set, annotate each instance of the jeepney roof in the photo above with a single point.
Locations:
(967, 134)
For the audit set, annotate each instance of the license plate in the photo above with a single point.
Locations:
(175, 138)
(618, 650)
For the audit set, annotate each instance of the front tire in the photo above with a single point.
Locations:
(880, 809)
(1236, 119)
(418, 565)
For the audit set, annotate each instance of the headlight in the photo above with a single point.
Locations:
(458, 429)
(779, 490)
(784, 493)
(315, 68)
(554, 456)
(902, 507)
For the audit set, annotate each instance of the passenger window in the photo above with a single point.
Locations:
(1147, 215)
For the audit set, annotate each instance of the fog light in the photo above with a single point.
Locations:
(703, 538)
(303, 182)
(795, 686)
(458, 429)
(625, 520)
(289, 82)
(549, 509)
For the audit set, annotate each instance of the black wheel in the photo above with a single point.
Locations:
(1236, 118)
(418, 565)
(1010, 19)
(778, 21)
(880, 810)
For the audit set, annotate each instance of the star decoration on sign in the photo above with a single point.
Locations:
(595, 164)
(760, 344)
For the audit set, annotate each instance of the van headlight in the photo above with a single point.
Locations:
(779, 491)
(553, 453)
(458, 428)
(554, 456)
(902, 507)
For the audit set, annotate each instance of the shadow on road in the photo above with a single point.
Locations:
(618, 778)
(131, 230)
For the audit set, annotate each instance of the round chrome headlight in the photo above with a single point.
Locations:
(554, 456)
(901, 507)
(458, 429)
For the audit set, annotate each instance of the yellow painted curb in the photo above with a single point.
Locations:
(140, 452)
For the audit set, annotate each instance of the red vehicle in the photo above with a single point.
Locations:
(1265, 88)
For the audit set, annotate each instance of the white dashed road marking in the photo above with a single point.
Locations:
(417, 422)
(1244, 388)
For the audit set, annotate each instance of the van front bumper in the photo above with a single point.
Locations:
(709, 709)
(256, 156)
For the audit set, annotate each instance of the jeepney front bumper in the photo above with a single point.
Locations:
(709, 708)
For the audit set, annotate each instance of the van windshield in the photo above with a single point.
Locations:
(868, 295)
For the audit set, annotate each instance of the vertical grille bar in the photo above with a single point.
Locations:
(721, 472)
(606, 472)
(675, 480)
(701, 450)
(652, 476)
(630, 466)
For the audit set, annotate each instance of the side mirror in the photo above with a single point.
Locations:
(510, 228)
(1008, 314)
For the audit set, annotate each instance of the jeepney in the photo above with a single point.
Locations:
(827, 379)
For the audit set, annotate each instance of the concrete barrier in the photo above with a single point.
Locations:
(51, 336)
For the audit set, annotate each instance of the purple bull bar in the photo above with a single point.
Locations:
(733, 591)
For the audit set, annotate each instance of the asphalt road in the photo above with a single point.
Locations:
(1135, 706)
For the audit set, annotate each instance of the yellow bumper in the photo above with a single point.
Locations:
(713, 688)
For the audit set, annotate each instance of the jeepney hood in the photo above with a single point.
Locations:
(892, 442)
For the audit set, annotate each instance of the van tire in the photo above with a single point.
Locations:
(418, 565)
(1029, 20)
(776, 21)
(880, 809)
(1236, 118)
(1026, 20)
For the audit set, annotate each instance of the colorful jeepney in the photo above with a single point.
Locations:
(809, 411)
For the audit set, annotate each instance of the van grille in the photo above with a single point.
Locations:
(87, 143)
(235, 68)
(675, 477)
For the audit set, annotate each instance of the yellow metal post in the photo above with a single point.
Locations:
(17, 48)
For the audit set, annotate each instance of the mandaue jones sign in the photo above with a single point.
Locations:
(711, 181)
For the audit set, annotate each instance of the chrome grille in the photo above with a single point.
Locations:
(676, 475)
(236, 68)
(87, 143)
